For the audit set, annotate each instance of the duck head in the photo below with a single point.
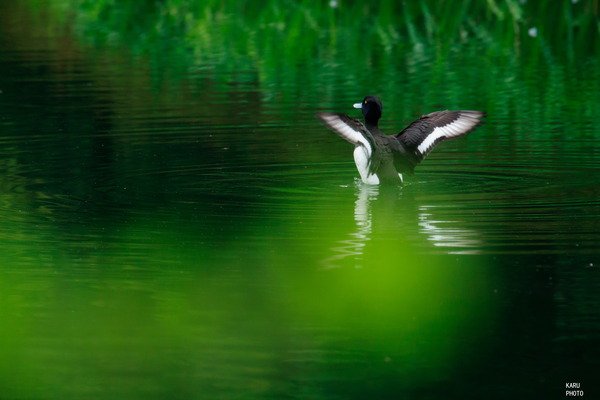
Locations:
(371, 108)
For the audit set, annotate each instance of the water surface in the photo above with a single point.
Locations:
(199, 234)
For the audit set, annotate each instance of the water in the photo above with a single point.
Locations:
(199, 234)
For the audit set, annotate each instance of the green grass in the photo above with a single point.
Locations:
(298, 30)
(443, 53)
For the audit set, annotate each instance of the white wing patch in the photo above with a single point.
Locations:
(344, 130)
(363, 150)
(462, 125)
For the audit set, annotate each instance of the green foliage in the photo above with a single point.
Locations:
(443, 53)
(293, 32)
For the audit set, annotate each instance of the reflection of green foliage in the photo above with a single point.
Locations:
(296, 50)
(191, 320)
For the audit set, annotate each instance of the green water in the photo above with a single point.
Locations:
(176, 224)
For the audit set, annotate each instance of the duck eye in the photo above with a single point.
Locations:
(365, 102)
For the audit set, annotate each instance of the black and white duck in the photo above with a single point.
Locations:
(381, 158)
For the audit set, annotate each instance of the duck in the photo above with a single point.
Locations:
(382, 159)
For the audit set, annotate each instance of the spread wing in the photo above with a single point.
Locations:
(348, 128)
(422, 135)
(356, 133)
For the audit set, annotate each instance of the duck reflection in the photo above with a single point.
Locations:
(353, 248)
(393, 214)
(447, 233)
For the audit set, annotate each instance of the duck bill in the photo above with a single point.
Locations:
(357, 105)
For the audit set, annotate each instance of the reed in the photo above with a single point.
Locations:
(338, 48)
(311, 28)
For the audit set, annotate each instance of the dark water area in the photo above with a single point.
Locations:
(179, 231)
